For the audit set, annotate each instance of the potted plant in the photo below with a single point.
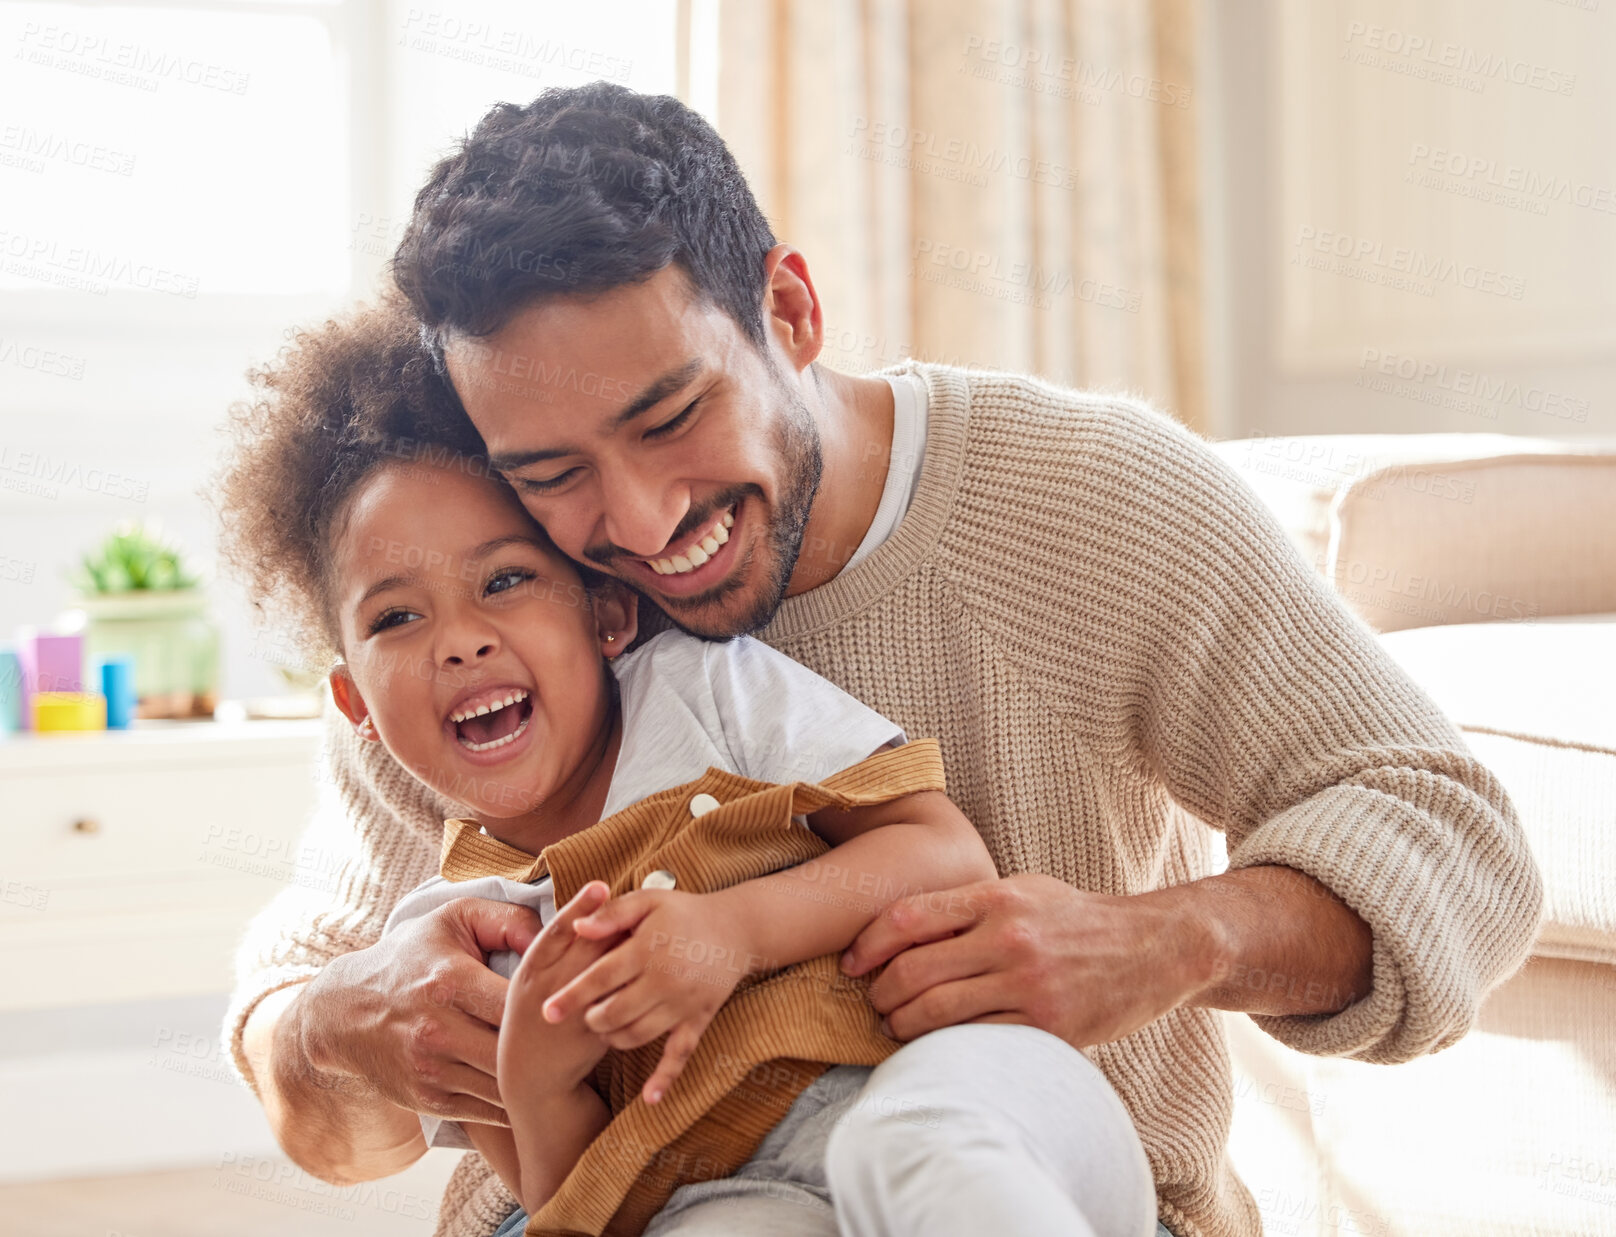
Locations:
(139, 599)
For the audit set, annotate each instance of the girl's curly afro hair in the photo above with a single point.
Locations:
(341, 400)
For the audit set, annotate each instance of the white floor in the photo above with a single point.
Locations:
(264, 1198)
(127, 1121)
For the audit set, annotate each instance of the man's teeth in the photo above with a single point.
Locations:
(493, 743)
(515, 697)
(697, 554)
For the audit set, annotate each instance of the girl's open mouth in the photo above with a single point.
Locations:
(493, 724)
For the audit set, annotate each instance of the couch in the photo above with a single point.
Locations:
(1487, 564)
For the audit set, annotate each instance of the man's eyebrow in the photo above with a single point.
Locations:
(658, 390)
(673, 380)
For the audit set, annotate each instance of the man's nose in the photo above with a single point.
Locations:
(640, 512)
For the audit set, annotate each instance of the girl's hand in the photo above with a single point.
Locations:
(543, 1059)
(683, 956)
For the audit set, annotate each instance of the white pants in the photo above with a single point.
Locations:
(999, 1130)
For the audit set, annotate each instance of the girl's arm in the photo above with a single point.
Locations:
(544, 1066)
(880, 854)
(496, 1145)
(548, 1134)
(687, 952)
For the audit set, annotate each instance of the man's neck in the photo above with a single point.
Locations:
(854, 416)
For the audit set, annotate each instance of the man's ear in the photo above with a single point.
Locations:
(346, 694)
(617, 616)
(791, 311)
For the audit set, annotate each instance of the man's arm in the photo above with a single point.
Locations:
(343, 1034)
(344, 1062)
(333, 1126)
(1380, 883)
(1278, 942)
(1264, 940)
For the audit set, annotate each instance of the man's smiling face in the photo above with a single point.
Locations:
(653, 441)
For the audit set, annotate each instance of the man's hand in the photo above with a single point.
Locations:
(1093, 968)
(683, 959)
(1087, 967)
(415, 1016)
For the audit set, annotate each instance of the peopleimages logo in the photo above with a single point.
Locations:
(1390, 588)
(40, 472)
(1469, 383)
(40, 360)
(123, 62)
(1483, 171)
(1397, 266)
(1049, 72)
(922, 150)
(90, 270)
(40, 147)
(1431, 54)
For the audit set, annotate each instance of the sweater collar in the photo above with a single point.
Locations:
(912, 542)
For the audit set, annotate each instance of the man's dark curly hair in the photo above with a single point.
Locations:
(341, 400)
(586, 188)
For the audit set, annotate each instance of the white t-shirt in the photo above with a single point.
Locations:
(689, 705)
(909, 414)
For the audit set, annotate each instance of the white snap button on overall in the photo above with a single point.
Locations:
(702, 804)
(660, 879)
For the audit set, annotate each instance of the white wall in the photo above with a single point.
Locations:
(110, 404)
(1425, 187)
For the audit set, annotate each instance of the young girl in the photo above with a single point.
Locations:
(688, 1044)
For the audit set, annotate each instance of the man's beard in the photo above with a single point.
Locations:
(801, 463)
(796, 449)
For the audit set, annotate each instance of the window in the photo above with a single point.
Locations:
(180, 185)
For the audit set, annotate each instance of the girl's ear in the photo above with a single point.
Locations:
(617, 616)
(346, 694)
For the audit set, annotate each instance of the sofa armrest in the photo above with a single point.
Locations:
(1429, 529)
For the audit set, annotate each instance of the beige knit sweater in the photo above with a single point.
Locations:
(1118, 649)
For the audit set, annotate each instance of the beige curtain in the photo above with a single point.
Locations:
(1005, 183)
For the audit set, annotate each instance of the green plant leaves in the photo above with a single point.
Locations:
(134, 559)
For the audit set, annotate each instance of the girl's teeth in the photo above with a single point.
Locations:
(493, 743)
(514, 698)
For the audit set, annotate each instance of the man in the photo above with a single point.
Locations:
(1112, 639)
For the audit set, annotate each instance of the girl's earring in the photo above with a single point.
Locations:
(367, 728)
(610, 638)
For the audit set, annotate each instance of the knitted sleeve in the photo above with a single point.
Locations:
(374, 837)
(1202, 650)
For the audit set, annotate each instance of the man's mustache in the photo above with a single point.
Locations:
(605, 554)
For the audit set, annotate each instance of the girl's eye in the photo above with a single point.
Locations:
(531, 486)
(668, 427)
(504, 581)
(396, 617)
